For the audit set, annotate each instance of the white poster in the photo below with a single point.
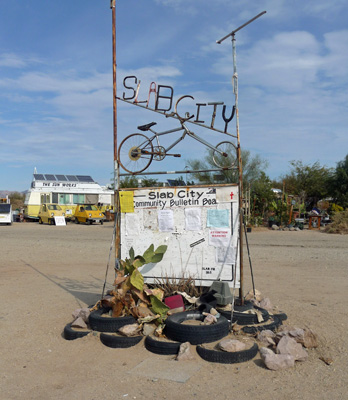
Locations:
(193, 221)
(59, 221)
(165, 220)
(132, 224)
(226, 255)
(220, 237)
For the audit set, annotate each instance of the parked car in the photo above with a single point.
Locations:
(47, 213)
(88, 213)
(5, 214)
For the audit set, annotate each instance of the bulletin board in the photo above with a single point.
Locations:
(199, 224)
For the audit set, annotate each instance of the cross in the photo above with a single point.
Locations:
(231, 195)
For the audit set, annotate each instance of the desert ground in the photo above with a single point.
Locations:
(49, 271)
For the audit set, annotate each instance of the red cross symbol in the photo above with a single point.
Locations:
(232, 194)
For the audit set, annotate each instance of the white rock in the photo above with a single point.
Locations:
(266, 338)
(231, 345)
(274, 361)
(79, 323)
(288, 345)
(130, 330)
(266, 304)
(81, 312)
(185, 353)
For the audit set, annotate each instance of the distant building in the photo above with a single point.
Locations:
(67, 191)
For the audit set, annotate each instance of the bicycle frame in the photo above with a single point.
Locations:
(186, 132)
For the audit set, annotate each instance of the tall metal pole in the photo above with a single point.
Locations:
(116, 166)
(239, 155)
(240, 169)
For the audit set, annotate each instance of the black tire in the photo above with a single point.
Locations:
(161, 346)
(51, 221)
(70, 333)
(224, 357)
(282, 316)
(101, 222)
(106, 324)
(248, 305)
(246, 319)
(195, 334)
(118, 341)
(272, 326)
(77, 221)
(137, 162)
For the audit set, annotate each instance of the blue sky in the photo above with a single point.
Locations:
(56, 79)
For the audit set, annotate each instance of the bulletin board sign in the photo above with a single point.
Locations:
(199, 224)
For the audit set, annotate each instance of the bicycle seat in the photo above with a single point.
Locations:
(147, 126)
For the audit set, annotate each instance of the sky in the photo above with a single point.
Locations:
(56, 95)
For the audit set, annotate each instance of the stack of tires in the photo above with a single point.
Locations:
(180, 329)
(108, 328)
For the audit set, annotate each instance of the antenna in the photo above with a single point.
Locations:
(241, 27)
(239, 154)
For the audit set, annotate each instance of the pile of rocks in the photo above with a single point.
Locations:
(287, 228)
(280, 350)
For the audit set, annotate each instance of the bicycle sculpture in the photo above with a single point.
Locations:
(137, 151)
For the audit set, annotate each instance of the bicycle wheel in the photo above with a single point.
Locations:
(135, 153)
(227, 161)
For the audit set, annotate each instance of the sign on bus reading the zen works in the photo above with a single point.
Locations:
(175, 198)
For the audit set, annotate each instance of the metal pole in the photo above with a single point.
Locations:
(239, 155)
(116, 166)
(240, 169)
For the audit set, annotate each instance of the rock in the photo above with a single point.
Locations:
(267, 338)
(209, 319)
(258, 295)
(304, 336)
(266, 304)
(310, 339)
(288, 345)
(149, 329)
(81, 313)
(130, 330)
(295, 333)
(275, 228)
(185, 353)
(79, 323)
(231, 345)
(274, 361)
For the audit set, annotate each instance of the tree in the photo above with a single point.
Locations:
(17, 199)
(129, 182)
(133, 182)
(253, 166)
(261, 195)
(310, 182)
(339, 184)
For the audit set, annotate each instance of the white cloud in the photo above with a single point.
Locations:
(11, 60)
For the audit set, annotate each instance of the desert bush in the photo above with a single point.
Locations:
(339, 223)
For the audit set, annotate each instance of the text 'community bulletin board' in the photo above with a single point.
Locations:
(200, 226)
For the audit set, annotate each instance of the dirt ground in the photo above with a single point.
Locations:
(47, 272)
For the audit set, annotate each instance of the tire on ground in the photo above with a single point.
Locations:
(195, 334)
(244, 318)
(71, 334)
(118, 341)
(224, 357)
(107, 324)
(161, 346)
(272, 326)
